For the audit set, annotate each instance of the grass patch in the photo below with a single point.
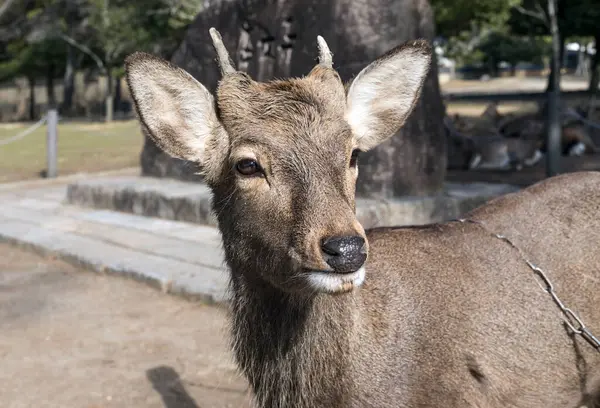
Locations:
(82, 147)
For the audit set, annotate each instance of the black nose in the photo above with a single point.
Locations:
(344, 254)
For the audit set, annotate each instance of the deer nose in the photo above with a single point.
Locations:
(344, 254)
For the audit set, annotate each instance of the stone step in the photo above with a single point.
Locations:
(191, 202)
(176, 257)
(162, 198)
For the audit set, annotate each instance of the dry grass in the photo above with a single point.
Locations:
(82, 147)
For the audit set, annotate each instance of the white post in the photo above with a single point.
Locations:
(52, 143)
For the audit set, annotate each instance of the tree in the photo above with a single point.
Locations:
(33, 61)
(34, 51)
(119, 27)
(81, 31)
(31, 57)
(72, 24)
(500, 46)
(465, 25)
(575, 18)
(105, 31)
(453, 17)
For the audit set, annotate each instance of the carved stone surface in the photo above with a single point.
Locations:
(277, 38)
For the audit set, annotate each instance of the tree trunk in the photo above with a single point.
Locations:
(117, 97)
(555, 70)
(51, 94)
(31, 81)
(69, 81)
(109, 96)
(495, 69)
(553, 127)
(413, 162)
(595, 68)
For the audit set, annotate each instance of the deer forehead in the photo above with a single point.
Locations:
(310, 108)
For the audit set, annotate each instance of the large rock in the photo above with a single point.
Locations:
(278, 39)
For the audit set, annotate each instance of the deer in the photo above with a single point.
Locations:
(484, 311)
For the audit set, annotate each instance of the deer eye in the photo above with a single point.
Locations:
(354, 157)
(248, 167)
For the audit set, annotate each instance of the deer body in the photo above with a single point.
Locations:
(449, 315)
(325, 314)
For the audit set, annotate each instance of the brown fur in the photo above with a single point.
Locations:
(449, 315)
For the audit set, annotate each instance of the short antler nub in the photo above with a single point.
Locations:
(325, 56)
(222, 54)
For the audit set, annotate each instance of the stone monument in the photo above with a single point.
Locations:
(278, 38)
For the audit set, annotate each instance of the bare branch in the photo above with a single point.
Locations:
(539, 14)
(540, 10)
(85, 50)
(5, 6)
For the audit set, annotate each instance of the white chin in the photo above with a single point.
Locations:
(336, 282)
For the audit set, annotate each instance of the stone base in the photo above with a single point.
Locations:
(191, 202)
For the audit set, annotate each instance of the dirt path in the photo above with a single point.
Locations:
(73, 339)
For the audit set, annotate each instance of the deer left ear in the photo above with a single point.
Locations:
(383, 94)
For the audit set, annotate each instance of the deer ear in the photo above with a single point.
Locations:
(177, 111)
(384, 93)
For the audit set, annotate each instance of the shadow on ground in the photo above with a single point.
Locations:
(166, 381)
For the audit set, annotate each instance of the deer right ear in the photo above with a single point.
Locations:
(384, 93)
(178, 111)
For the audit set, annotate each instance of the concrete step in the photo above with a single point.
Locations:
(176, 257)
(191, 202)
(162, 198)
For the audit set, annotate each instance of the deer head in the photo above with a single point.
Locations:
(281, 156)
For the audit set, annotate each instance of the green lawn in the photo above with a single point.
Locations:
(82, 147)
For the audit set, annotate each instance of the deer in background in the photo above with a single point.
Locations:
(325, 314)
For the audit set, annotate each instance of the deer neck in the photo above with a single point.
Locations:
(294, 351)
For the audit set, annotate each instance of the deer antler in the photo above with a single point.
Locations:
(222, 54)
(325, 56)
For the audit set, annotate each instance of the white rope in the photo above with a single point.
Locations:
(24, 133)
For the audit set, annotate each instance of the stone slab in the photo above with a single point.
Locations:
(201, 234)
(169, 275)
(204, 253)
(191, 202)
(175, 257)
(162, 198)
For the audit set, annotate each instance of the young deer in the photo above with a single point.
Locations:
(444, 315)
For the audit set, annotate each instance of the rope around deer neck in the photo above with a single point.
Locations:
(572, 320)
